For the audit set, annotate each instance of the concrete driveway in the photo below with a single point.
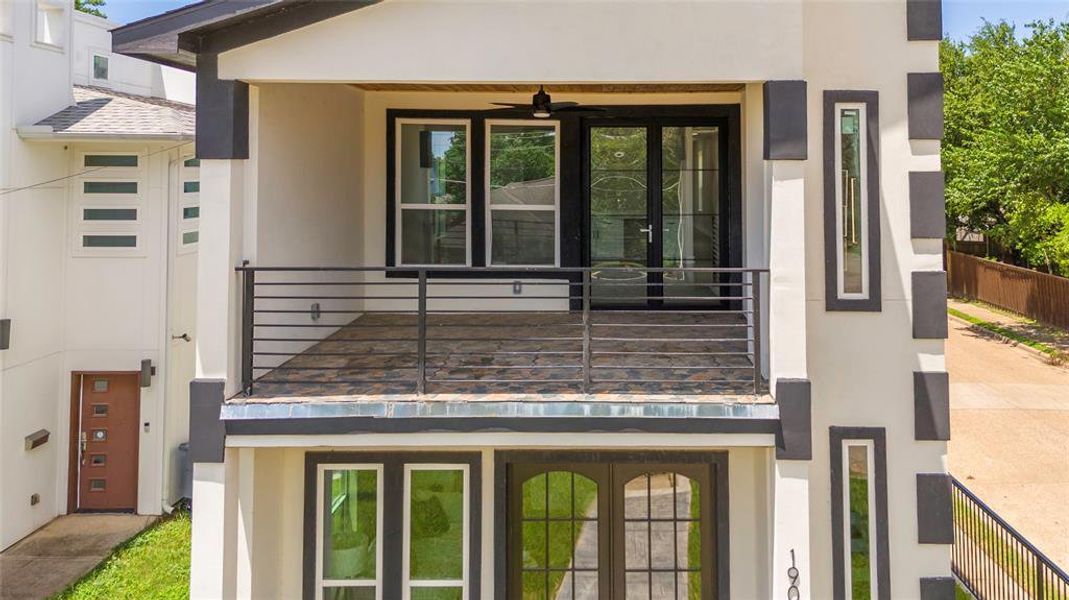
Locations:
(1009, 414)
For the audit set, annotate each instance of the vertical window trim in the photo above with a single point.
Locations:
(833, 301)
(870, 482)
(840, 549)
(488, 209)
(399, 204)
(406, 528)
(320, 520)
(840, 256)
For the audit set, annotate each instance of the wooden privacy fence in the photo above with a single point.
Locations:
(1040, 296)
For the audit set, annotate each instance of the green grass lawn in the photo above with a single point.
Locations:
(153, 564)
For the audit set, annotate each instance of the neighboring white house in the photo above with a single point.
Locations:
(679, 336)
(98, 240)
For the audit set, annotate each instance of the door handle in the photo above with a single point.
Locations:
(184, 337)
(84, 446)
(649, 232)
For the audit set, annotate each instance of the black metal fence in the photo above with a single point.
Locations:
(995, 562)
(367, 330)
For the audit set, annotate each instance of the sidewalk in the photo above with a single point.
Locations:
(1051, 336)
(59, 553)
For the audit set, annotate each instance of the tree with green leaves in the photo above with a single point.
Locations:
(1006, 145)
(92, 7)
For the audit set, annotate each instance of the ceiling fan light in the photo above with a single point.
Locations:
(541, 104)
(540, 113)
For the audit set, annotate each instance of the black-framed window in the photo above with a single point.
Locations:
(860, 561)
(852, 200)
(392, 525)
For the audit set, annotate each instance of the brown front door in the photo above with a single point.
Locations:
(107, 439)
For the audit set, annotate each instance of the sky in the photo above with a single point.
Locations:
(960, 17)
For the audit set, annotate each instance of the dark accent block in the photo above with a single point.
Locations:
(144, 378)
(222, 113)
(786, 120)
(931, 406)
(924, 20)
(935, 517)
(927, 205)
(207, 433)
(930, 305)
(937, 588)
(925, 105)
(795, 441)
(5, 334)
(37, 439)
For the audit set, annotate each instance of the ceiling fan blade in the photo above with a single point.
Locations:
(512, 104)
(577, 108)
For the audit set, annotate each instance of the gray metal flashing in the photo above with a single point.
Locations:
(207, 435)
(786, 128)
(935, 518)
(924, 92)
(832, 301)
(937, 588)
(924, 20)
(878, 435)
(929, 305)
(222, 113)
(794, 397)
(5, 334)
(931, 406)
(927, 205)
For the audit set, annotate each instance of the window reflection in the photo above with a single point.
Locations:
(662, 537)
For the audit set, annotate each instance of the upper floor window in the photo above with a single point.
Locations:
(50, 22)
(433, 192)
(100, 67)
(6, 19)
(851, 200)
(522, 193)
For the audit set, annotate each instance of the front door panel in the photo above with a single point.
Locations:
(107, 442)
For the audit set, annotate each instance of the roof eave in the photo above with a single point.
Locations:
(44, 133)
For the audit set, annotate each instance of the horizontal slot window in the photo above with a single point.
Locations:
(109, 187)
(190, 237)
(109, 241)
(191, 212)
(191, 187)
(109, 214)
(110, 160)
(192, 162)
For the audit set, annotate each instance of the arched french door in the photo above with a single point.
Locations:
(611, 531)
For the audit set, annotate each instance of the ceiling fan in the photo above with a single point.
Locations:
(542, 105)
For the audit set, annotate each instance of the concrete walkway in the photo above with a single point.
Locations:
(1010, 434)
(61, 552)
(1051, 336)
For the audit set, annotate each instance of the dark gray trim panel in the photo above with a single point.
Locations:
(393, 512)
(878, 435)
(931, 406)
(929, 305)
(924, 20)
(207, 435)
(786, 120)
(927, 205)
(718, 460)
(925, 105)
(937, 588)
(832, 302)
(5, 334)
(794, 397)
(348, 425)
(222, 113)
(935, 517)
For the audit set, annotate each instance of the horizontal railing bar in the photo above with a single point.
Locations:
(689, 368)
(667, 353)
(503, 367)
(503, 270)
(296, 354)
(328, 340)
(452, 380)
(690, 381)
(510, 339)
(346, 368)
(687, 325)
(329, 383)
(350, 325)
(687, 340)
(502, 297)
(504, 352)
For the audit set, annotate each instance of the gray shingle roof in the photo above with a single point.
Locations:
(103, 112)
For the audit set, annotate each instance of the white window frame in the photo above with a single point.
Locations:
(40, 7)
(399, 206)
(320, 582)
(870, 456)
(555, 207)
(863, 201)
(92, 67)
(187, 200)
(406, 582)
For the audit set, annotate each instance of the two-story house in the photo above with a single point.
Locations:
(98, 239)
(518, 299)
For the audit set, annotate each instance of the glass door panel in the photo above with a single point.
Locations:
(619, 219)
(690, 205)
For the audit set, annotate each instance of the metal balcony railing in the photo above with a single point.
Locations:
(392, 330)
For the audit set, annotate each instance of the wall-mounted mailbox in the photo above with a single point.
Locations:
(37, 439)
(5, 334)
(147, 371)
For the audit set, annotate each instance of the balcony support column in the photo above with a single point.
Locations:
(790, 530)
(787, 306)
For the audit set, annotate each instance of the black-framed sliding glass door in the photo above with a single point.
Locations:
(656, 193)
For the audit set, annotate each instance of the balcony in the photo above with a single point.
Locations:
(483, 334)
